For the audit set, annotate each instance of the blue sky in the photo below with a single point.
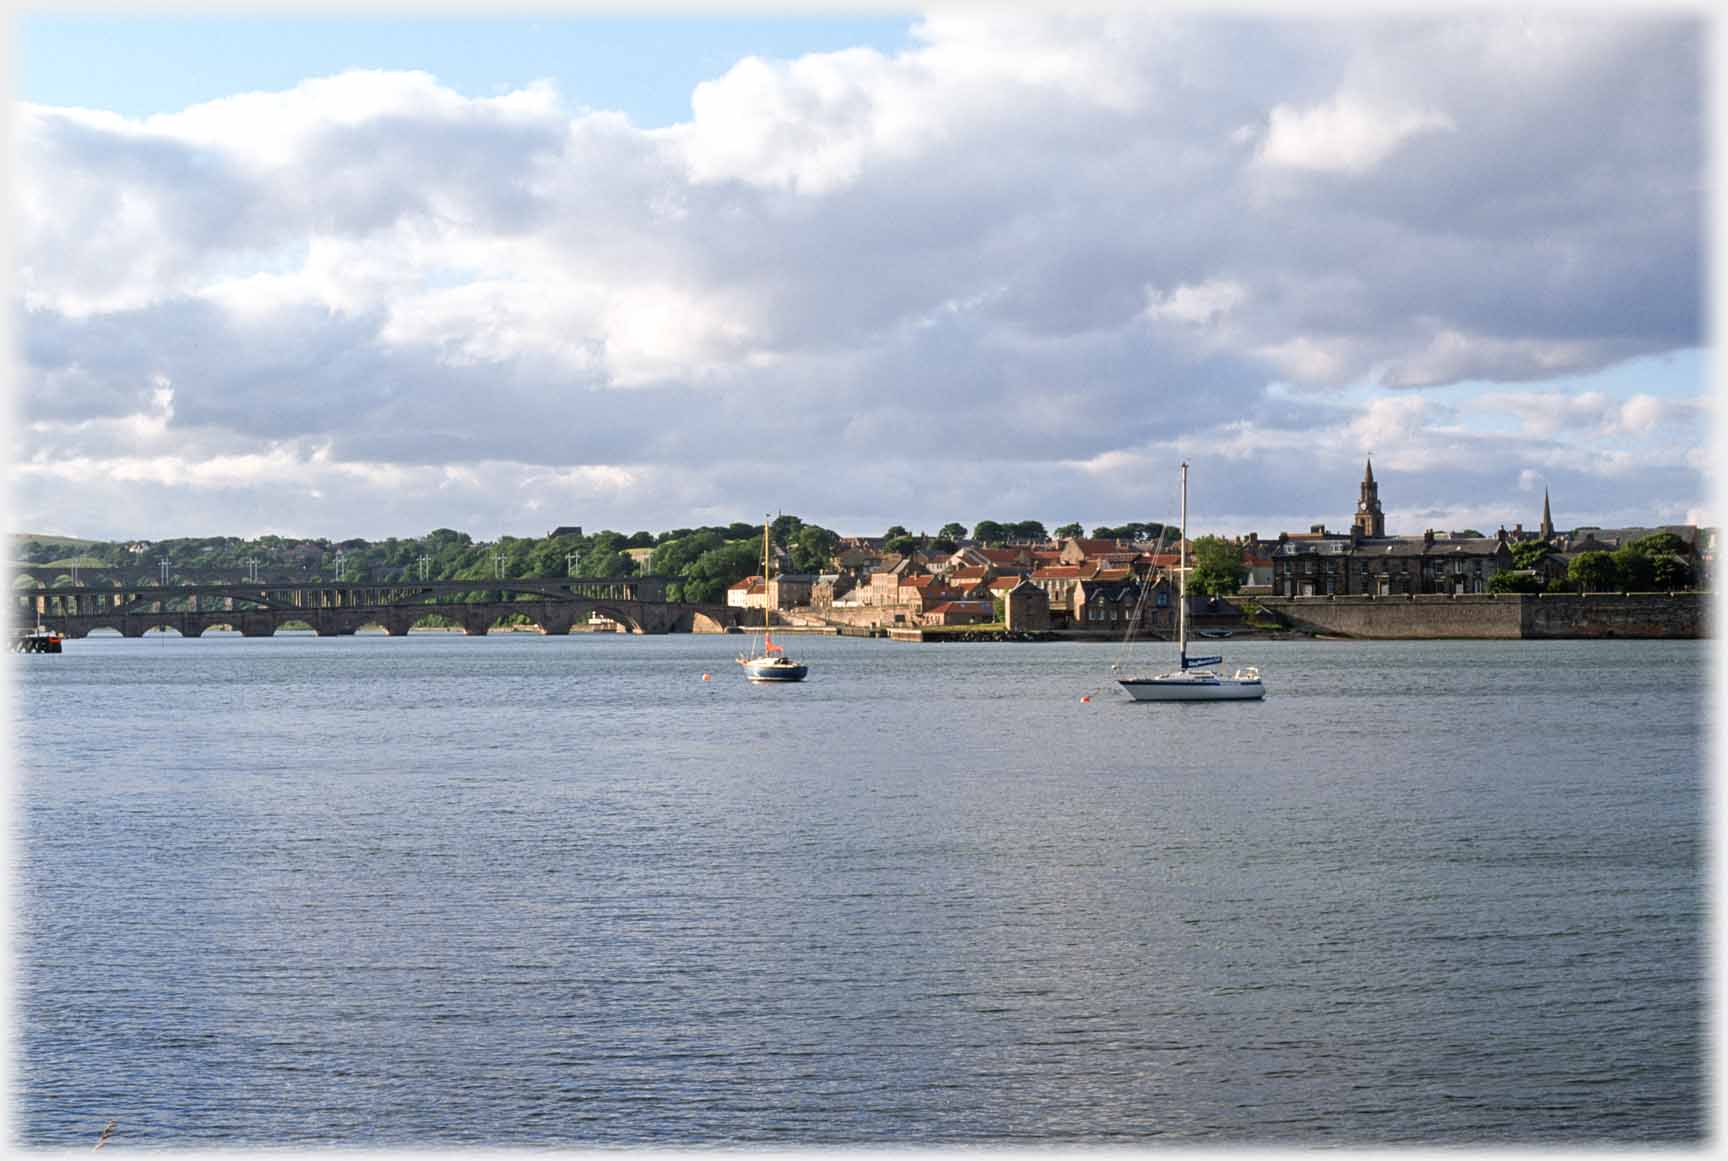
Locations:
(644, 66)
(1014, 267)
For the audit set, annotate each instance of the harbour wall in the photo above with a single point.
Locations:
(1498, 616)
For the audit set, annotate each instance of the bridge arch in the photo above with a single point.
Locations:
(703, 622)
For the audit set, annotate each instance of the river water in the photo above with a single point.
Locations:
(521, 890)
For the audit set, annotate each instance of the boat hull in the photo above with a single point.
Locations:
(1186, 689)
(771, 672)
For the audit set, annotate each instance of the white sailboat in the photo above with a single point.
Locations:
(1194, 679)
(771, 664)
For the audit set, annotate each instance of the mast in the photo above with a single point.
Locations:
(766, 640)
(1182, 577)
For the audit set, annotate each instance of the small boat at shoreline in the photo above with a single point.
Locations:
(37, 640)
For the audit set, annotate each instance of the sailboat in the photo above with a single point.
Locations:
(771, 664)
(1194, 679)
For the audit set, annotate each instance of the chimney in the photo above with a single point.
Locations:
(1428, 536)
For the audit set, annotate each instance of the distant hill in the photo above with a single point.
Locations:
(48, 538)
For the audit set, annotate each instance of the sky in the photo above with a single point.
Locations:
(327, 276)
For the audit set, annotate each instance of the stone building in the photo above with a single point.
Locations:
(1365, 561)
(960, 613)
(1114, 604)
(1025, 608)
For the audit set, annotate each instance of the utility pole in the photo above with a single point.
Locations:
(340, 560)
(425, 566)
(251, 562)
(570, 563)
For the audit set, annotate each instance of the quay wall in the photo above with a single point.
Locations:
(1502, 616)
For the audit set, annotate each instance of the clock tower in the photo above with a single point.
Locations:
(1370, 521)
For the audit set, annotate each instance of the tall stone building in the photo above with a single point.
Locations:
(1365, 561)
(1370, 520)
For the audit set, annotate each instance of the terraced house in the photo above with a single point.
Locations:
(1365, 561)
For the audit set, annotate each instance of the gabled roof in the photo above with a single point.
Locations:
(963, 607)
(1118, 591)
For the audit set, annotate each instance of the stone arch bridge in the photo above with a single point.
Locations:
(334, 608)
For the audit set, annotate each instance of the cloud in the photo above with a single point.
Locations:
(1347, 134)
(1028, 243)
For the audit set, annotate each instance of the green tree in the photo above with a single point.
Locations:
(783, 529)
(1510, 581)
(671, 557)
(1659, 544)
(1593, 572)
(989, 532)
(1670, 572)
(1029, 530)
(904, 545)
(893, 531)
(706, 579)
(952, 531)
(812, 549)
(1636, 572)
(1070, 531)
(1218, 567)
(1530, 553)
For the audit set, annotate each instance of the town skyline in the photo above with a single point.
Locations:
(407, 272)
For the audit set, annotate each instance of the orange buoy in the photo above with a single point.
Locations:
(704, 677)
(1085, 697)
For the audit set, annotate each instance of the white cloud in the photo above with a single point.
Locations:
(1030, 250)
(1204, 303)
(1347, 134)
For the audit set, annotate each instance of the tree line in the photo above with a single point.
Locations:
(700, 563)
(1655, 562)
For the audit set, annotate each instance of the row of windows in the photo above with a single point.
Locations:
(1403, 567)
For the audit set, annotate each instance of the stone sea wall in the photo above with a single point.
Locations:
(1506, 616)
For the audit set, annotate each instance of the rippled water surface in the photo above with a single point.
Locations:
(517, 890)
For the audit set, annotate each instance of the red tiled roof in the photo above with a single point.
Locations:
(1057, 572)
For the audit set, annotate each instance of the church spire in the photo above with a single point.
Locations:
(1370, 520)
(1547, 518)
